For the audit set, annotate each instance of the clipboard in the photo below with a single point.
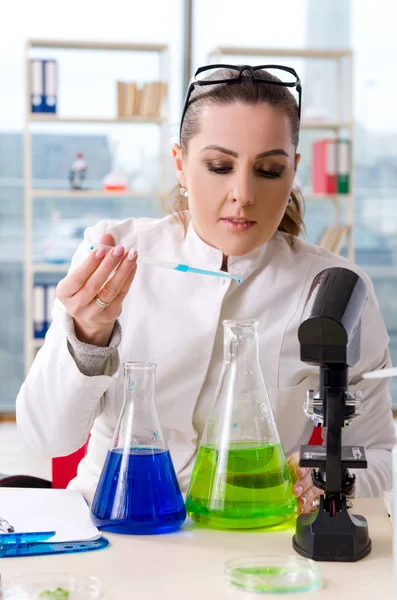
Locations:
(34, 544)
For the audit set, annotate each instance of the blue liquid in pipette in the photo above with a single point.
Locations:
(138, 493)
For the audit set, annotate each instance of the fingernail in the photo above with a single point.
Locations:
(298, 490)
(118, 251)
(132, 254)
(100, 253)
(302, 472)
(304, 500)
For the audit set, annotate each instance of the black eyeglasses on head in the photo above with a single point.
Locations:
(284, 76)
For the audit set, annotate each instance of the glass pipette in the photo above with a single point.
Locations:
(171, 265)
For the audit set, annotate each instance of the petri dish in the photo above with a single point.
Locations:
(273, 574)
(51, 586)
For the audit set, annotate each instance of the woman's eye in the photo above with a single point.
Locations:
(221, 169)
(269, 174)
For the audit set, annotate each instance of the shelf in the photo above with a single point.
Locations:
(62, 193)
(290, 52)
(332, 197)
(80, 45)
(84, 120)
(319, 125)
(51, 118)
(50, 268)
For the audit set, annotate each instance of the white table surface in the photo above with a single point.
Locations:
(189, 565)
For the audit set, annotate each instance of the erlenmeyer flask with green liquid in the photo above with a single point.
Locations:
(240, 479)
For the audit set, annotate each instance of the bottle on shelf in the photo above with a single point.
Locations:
(78, 172)
(115, 180)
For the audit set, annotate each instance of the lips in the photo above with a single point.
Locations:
(237, 224)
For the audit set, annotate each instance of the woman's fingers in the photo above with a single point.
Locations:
(307, 502)
(295, 470)
(127, 283)
(302, 484)
(100, 276)
(107, 239)
(73, 282)
(303, 487)
(117, 286)
(305, 491)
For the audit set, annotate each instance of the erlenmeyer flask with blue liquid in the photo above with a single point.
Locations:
(138, 491)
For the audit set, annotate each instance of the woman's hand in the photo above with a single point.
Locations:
(303, 487)
(84, 290)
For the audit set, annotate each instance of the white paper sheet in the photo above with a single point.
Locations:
(38, 510)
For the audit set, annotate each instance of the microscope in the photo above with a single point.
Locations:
(329, 336)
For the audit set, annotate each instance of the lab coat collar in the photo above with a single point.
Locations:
(211, 258)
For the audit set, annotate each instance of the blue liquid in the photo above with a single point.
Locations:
(138, 492)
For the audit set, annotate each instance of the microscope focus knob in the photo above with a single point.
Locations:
(355, 402)
(309, 404)
(312, 403)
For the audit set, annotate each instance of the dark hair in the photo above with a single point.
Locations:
(247, 91)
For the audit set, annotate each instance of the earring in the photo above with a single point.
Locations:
(290, 201)
(183, 192)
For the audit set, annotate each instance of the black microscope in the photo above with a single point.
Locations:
(329, 337)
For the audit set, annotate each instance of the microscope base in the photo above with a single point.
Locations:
(342, 538)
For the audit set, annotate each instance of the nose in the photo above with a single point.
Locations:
(243, 189)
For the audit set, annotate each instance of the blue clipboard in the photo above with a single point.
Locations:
(33, 544)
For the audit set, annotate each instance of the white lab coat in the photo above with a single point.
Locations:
(175, 320)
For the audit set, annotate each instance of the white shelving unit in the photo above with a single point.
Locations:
(336, 127)
(31, 269)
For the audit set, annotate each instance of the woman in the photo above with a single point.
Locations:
(235, 211)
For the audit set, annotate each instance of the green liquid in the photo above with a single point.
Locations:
(246, 486)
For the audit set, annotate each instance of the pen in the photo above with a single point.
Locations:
(171, 265)
(5, 526)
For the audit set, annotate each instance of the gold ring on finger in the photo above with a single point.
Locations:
(101, 303)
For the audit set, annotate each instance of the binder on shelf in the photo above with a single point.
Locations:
(43, 90)
(51, 295)
(324, 177)
(343, 165)
(40, 323)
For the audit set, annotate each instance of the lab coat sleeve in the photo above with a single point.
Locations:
(374, 429)
(57, 404)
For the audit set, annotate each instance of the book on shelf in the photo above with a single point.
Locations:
(43, 85)
(343, 165)
(331, 166)
(120, 98)
(43, 302)
(332, 237)
(145, 101)
(324, 167)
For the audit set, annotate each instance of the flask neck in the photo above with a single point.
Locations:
(241, 342)
(139, 385)
(138, 424)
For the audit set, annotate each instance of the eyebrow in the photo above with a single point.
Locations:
(274, 152)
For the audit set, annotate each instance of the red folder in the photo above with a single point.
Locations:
(324, 175)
